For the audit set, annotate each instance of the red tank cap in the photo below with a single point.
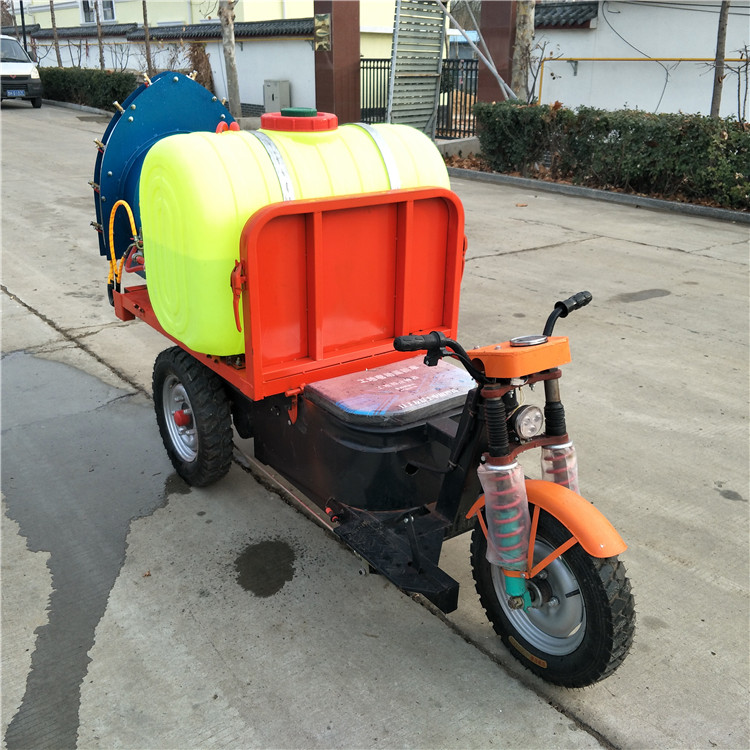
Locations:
(299, 120)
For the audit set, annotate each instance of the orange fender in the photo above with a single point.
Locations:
(587, 523)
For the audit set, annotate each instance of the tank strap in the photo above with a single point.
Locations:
(279, 165)
(391, 167)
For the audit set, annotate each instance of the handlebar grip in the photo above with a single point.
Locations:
(576, 302)
(416, 343)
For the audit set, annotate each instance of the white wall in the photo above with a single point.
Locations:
(84, 53)
(290, 60)
(666, 29)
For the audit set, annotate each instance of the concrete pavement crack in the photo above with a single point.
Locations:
(75, 340)
(532, 249)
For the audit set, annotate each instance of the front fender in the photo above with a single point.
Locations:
(587, 524)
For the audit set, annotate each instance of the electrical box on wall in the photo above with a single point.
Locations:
(276, 95)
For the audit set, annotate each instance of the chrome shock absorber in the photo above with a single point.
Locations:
(506, 503)
(559, 462)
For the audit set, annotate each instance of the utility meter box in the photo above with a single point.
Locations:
(276, 95)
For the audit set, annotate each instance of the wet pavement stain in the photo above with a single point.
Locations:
(729, 494)
(732, 495)
(80, 461)
(264, 567)
(641, 296)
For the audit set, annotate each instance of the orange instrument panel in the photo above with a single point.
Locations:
(507, 361)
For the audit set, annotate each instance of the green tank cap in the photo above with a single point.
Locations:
(299, 112)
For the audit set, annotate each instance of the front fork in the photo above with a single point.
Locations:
(508, 522)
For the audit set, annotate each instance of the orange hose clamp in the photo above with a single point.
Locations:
(508, 361)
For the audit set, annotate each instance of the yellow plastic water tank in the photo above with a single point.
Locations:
(197, 191)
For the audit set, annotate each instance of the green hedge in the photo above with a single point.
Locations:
(682, 157)
(93, 88)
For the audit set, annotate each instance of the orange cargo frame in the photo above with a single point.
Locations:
(329, 283)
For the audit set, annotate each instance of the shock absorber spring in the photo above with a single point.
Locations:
(507, 512)
(560, 465)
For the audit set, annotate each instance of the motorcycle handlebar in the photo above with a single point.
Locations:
(564, 307)
(416, 343)
(576, 302)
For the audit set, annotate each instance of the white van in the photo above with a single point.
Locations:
(20, 78)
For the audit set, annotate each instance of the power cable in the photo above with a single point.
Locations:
(605, 10)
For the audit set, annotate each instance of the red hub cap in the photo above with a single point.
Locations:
(182, 418)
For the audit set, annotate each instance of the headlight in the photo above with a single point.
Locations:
(528, 422)
(34, 73)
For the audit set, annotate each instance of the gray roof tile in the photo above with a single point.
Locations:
(243, 30)
(565, 15)
(85, 32)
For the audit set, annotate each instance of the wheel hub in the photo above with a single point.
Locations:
(540, 591)
(182, 418)
(556, 622)
(178, 415)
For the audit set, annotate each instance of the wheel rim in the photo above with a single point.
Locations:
(554, 628)
(178, 417)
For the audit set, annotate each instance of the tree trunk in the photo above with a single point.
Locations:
(99, 37)
(721, 43)
(522, 48)
(226, 15)
(56, 41)
(149, 64)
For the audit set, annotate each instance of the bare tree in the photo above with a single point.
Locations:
(56, 41)
(742, 71)
(721, 43)
(149, 63)
(467, 12)
(8, 18)
(522, 48)
(226, 15)
(99, 35)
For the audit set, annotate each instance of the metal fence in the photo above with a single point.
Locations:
(374, 77)
(458, 93)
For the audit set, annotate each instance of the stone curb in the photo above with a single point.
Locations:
(79, 107)
(723, 214)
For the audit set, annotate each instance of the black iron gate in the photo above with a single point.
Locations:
(458, 93)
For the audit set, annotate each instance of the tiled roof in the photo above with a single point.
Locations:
(11, 30)
(244, 30)
(565, 15)
(85, 32)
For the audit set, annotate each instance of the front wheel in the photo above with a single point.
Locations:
(581, 624)
(194, 418)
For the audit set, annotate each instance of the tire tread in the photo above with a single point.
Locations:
(211, 412)
(618, 603)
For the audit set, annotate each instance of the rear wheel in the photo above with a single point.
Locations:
(194, 417)
(581, 624)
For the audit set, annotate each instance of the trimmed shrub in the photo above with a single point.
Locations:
(681, 157)
(93, 88)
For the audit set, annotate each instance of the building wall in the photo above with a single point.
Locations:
(268, 59)
(68, 12)
(664, 30)
(281, 59)
(119, 54)
(376, 26)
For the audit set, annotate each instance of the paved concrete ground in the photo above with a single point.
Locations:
(123, 621)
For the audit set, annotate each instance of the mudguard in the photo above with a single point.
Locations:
(587, 523)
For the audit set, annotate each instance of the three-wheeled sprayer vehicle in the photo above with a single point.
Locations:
(299, 269)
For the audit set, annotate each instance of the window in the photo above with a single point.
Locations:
(106, 10)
